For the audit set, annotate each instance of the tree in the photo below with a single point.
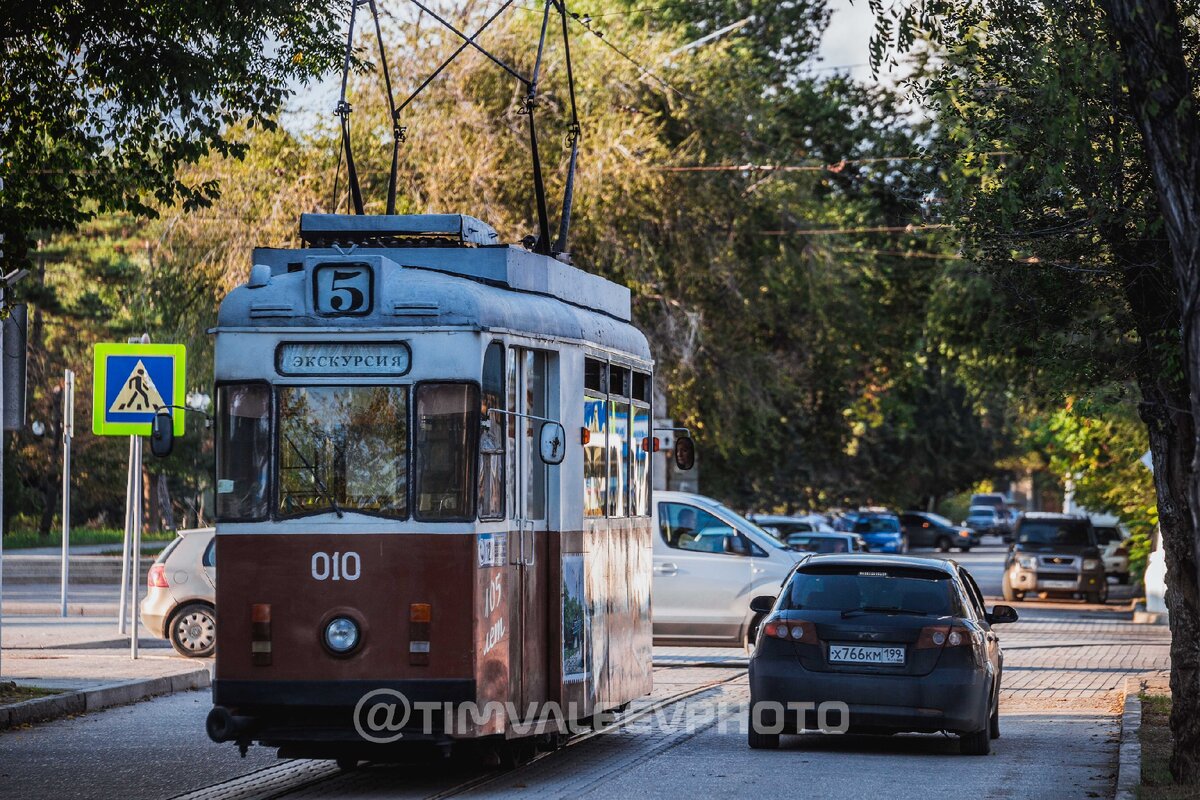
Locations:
(1050, 186)
(104, 102)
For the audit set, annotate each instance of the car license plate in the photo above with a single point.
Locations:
(857, 654)
(1058, 584)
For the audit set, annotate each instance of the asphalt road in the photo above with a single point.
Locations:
(1058, 737)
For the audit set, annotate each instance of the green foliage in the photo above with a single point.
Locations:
(1101, 442)
(104, 102)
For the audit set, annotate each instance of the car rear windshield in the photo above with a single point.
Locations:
(848, 588)
(819, 544)
(1067, 532)
(877, 525)
(1107, 535)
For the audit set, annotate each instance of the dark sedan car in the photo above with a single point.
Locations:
(903, 643)
(925, 529)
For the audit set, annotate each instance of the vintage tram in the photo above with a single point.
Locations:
(393, 522)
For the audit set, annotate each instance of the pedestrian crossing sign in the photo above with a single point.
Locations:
(131, 382)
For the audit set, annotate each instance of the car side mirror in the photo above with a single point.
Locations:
(762, 604)
(162, 433)
(735, 545)
(554, 443)
(1002, 614)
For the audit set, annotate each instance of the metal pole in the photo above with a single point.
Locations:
(123, 613)
(2, 299)
(68, 434)
(136, 576)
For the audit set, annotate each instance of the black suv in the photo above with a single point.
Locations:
(1056, 554)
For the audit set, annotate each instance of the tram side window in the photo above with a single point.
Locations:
(447, 427)
(618, 442)
(243, 451)
(492, 436)
(639, 480)
(595, 464)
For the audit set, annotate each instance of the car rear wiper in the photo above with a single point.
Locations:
(883, 610)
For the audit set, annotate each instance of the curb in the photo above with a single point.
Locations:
(23, 608)
(1129, 755)
(43, 709)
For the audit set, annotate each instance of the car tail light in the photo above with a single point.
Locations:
(933, 636)
(795, 630)
(156, 578)
(260, 634)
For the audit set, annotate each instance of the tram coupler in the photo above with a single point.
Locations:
(224, 726)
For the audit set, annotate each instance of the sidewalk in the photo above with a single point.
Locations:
(89, 661)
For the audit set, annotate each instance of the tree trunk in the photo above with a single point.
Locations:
(1163, 103)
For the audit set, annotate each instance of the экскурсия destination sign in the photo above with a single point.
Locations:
(358, 358)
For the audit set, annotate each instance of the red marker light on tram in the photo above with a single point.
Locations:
(260, 634)
(419, 617)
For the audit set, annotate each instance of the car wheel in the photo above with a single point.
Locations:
(965, 548)
(193, 630)
(943, 544)
(757, 740)
(975, 744)
(1010, 594)
(1100, 596)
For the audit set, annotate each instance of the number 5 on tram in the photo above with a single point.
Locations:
(432, 492)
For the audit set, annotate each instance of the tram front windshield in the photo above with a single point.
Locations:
(343, 447)
(346, 448)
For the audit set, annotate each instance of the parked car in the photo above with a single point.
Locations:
(1114, 541)
(782, 526)
(925, 529)
(180, 602)
(993, 499)
(828, 542)
(708, 562)
(880, 529)
(906, 643)
(984, 520)
(1055, 554)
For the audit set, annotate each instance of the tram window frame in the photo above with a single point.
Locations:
(277, 434)
(471, 491)
(218, 446)
(634, 385)
(501, 421)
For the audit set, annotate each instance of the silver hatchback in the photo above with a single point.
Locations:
(180, 603)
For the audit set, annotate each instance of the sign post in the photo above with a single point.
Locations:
(68, 434)
(131, 383)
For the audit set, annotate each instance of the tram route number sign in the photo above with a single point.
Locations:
(131, 382)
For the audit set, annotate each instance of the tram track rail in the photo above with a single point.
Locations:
(298, 776)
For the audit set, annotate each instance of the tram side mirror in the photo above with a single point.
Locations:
(162, 433)
(554, 443)
(685, 453)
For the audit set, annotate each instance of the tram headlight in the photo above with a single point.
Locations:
(341, 634)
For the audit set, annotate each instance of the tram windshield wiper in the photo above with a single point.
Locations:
(325, 493)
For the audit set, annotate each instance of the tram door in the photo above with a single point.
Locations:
(527, 395)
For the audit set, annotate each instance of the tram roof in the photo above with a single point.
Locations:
(456, 283)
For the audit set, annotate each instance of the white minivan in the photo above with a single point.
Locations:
(709, 563)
